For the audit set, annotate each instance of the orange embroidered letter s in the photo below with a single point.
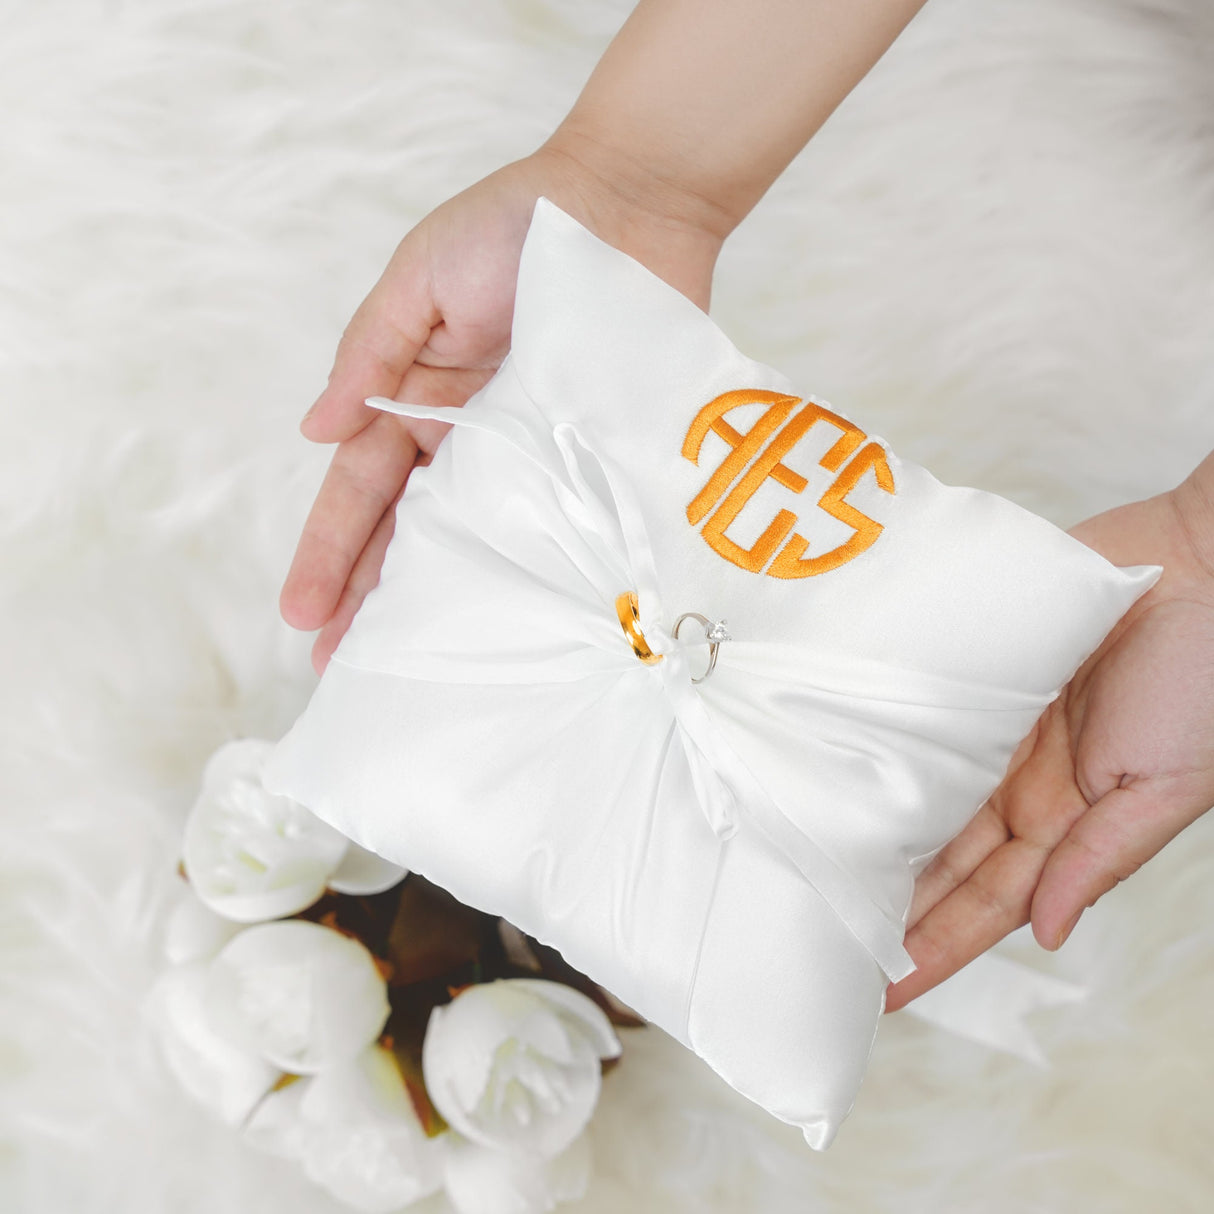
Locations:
(753, 459)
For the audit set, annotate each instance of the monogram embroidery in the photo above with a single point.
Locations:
(757, 456)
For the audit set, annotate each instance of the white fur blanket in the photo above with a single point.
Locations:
(999, 254)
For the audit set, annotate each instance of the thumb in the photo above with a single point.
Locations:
(1105, 845)
(378, 346)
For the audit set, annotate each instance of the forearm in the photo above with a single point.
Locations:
(707, 101)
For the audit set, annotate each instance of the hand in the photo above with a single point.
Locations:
(433, 331)
(1116, 767)
(667, 148)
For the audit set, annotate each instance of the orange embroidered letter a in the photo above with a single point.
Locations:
(753, 459)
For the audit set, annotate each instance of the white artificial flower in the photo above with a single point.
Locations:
(299, 995)
(514, 1064)
(354, 1129)
(221, 1076)
(485, 1180)
(251, 855)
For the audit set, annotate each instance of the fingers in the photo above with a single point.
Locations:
(978, 913)
(378, 347)
(440, 386)
(364, 577)
(953, 865)
(363, 481)
(987, 830)
(1049, 883)
(1116, 836)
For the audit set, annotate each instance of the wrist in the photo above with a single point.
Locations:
(647, 179)
(1192, 503)
(669, 229)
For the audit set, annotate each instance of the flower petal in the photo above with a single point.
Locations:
(299, 994)
(481, 1180)
(456, 1064)
(276, 1126)
(509, 1066)
(353, 1128)
(251, 855)
(363, 872)
(217, 1074)
(590, 1018)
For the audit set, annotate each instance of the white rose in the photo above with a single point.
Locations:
(514, 1064)
(299, 995)
(224, 1078)
(251, 855)
(355, 1131)
(484, 1180)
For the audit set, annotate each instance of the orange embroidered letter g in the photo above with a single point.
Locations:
(754, 459)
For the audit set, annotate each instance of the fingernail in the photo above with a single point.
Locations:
(1066, 931)
(307, 417)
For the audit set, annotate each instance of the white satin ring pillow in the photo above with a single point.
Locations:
(732, 857)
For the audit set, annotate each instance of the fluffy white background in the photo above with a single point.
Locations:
(999, 254)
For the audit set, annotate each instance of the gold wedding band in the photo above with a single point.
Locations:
(628, 608)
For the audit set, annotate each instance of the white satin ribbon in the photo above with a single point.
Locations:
(987, 1001)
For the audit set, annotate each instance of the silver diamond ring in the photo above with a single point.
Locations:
(715, 633)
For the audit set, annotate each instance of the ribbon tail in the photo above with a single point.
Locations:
(492, 421)
(717, 802)
(841, 891)
(987, 1000)
(880, 935)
